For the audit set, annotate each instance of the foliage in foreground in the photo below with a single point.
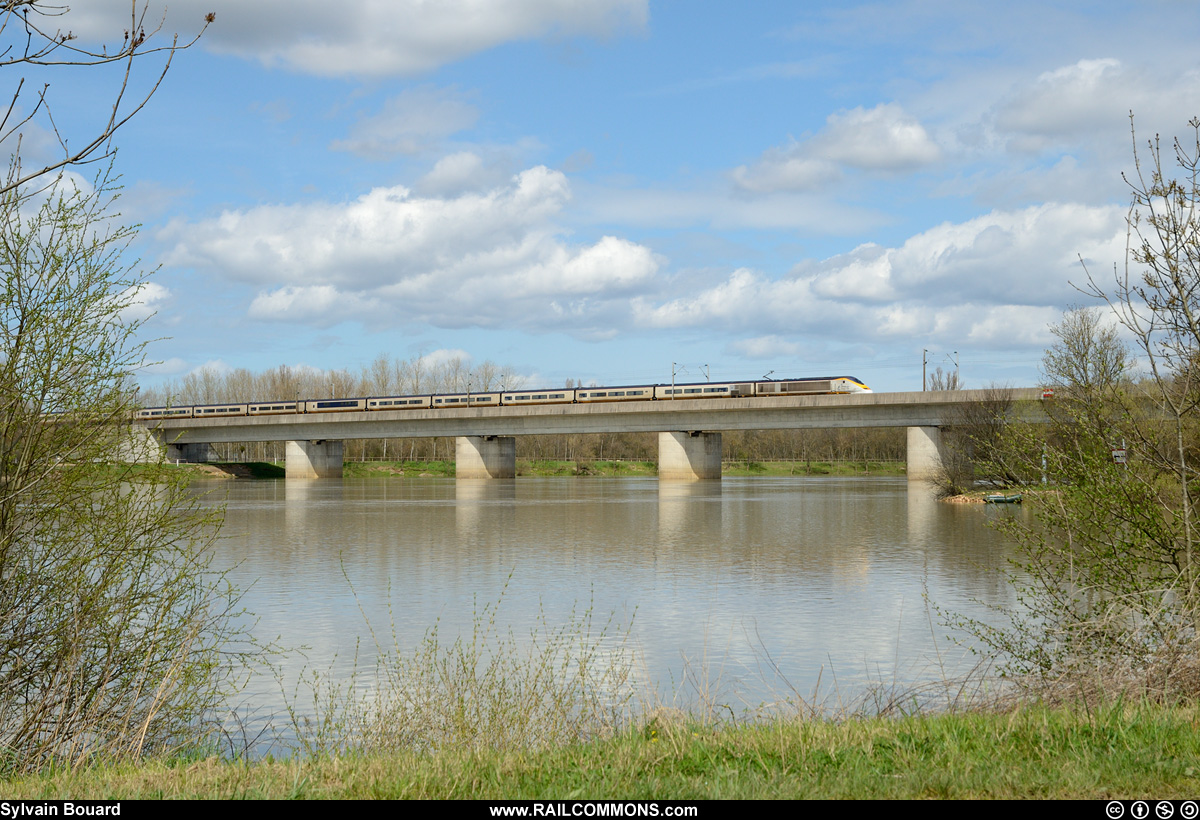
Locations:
(492, 690)
(112, 627)
(1028, 752)
(1107, 582)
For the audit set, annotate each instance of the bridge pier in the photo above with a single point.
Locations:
(314, 459)
(485, 457)
(140, 446)
(689, 456)
(924, 453)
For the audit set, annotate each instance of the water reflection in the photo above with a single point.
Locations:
(688, 510)
(817, 577)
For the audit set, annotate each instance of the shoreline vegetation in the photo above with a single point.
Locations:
(551, 467)
(1029, 751)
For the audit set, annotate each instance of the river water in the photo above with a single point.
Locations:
(757, 588)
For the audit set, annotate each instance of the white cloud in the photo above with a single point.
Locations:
(143, 301)
(488, 259)
(368, 37)
(409, 123)
(767, 347)
(883, 138)
(1089, 101)
(464, 171)
(217, 367)
(443, 356)
(167, 367)
(998, 278)
(320, 304)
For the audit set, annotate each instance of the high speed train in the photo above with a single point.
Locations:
(521, 398)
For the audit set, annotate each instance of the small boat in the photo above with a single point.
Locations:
(1001, 498)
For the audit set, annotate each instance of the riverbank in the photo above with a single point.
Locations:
(548, 467)
(1030, 752)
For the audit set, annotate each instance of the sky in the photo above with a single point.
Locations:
(606, 190)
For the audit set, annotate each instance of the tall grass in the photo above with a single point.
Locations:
(577, 681)
(492, 690)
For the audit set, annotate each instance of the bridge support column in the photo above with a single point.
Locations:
(314, 459)
(191, 453)
(689, 456)
(924, 453)
(140, 446)
(485, 457)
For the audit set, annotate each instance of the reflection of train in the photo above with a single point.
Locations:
(520, 398)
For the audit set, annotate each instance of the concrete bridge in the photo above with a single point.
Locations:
(689, 429)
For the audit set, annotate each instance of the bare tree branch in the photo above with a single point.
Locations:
(32, 34)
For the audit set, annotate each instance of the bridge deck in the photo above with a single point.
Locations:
(916, 409)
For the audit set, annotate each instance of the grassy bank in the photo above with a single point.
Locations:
(548, 467)
(794, 468)
(1030, 752)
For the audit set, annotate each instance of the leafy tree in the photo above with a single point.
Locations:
(1106, 580)
(113, 629)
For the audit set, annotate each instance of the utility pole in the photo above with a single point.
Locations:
(924, 362)
(675, 368)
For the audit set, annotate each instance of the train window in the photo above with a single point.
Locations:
(599, 394)
(558, 396)
(521, 398)
(715, 389)
(692, 390)
(617, 393)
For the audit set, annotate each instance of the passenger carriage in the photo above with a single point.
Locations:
(634, 393)
(165, 413)
(520, 398)
(334, 405)
(400, 402)
(704, 390)
(452, 400)
(274, 408)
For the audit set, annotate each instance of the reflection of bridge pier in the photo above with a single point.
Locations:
(689, 512)
(483, 504)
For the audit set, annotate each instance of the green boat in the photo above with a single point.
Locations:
(1000, 498)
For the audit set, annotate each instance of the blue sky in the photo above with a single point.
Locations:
(598, 189)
